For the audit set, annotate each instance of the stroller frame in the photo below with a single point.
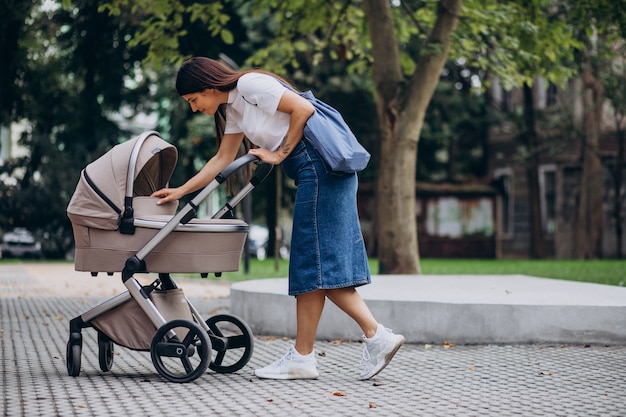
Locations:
(181, 348)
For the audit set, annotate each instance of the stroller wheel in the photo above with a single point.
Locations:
(72, 355)
(181, 356)
(232, 340)
(105, 352)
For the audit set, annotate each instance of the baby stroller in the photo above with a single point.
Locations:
(118, 227)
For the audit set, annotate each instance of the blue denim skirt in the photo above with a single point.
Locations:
(327, 248)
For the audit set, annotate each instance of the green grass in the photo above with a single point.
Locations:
(611, 272)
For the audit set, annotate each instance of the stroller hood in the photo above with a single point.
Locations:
(108, 185)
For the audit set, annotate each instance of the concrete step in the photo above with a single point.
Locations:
(460, 309)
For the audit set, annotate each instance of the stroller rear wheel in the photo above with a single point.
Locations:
(183, 357)
(232, 340)
(105, 352)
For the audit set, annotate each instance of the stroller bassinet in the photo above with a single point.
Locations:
(118, 227)
(112, 215)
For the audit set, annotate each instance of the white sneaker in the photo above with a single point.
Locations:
(291, 366)
(379, 350)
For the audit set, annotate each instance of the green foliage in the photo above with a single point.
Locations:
(517, 41)
(451, 146)
(164, 22)
(76, 73)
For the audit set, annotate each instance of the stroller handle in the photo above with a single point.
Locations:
(234, 166)
(261, 173)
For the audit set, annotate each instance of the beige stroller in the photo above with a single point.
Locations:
(119, 228)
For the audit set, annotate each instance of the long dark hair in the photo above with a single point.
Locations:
(200, 73)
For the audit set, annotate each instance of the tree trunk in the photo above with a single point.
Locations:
(619, 181)
(536, 247)
(401, 109)
(590, 213)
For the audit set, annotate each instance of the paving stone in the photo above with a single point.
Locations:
(474, 380)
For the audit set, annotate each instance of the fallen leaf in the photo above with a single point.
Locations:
(339, 393)
(378, 384)
(270, 400)
(427, 346)
(447, 345)
(372, 405)
(546, 373)
(471, 368)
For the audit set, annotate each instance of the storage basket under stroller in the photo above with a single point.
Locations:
(118, 227)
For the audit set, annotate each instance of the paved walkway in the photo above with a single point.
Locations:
(423, 380)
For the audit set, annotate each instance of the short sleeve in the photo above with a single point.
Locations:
(261, 90)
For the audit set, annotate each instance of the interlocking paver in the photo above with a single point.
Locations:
(481, 380)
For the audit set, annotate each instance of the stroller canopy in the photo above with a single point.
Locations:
(107, 186)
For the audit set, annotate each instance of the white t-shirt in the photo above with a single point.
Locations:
(252, 109)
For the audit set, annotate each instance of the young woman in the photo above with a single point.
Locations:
(328, 258)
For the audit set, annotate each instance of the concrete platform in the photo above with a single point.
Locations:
(461, 309)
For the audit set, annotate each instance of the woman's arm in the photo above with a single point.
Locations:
(299, 109)
(225, 155)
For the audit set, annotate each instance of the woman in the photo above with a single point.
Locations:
(328, 258)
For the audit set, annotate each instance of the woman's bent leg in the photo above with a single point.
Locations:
(381, 344)
(350, 302)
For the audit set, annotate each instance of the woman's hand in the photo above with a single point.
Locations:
(269, 157)
(167, 195)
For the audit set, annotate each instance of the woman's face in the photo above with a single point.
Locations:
(206, 101)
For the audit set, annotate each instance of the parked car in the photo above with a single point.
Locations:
(258, 238)
(20, 243)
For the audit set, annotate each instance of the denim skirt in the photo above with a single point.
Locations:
(327, 248)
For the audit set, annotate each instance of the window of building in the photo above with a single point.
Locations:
(547, 188)
(504, 177)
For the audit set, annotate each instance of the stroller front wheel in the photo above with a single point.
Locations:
(72, 355)
(181, 356)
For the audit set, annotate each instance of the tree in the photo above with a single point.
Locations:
(402, 106)
(13, 23)
(75, 73)
(599, 26)
(403, 45)
(615, 82)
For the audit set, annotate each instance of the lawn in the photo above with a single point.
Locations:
(611, 272)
